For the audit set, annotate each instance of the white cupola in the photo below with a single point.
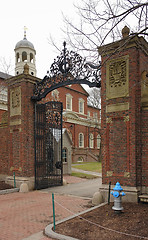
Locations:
(25, 53)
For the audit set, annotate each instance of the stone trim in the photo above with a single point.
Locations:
(14, 122)
(117, 107)
(15, 101)
(117, 77)
(22, 78)
(128, 42)
(132, 193)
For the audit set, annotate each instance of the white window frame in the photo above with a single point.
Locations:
(81, 105)
(64, 155)
(81, 140)
(91, 140)
(95, 115)
(68, 98)
(3, 94)
(88, 114)
(98, 141)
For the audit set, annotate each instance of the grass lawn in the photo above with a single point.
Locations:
(91, 166)
(83, 175)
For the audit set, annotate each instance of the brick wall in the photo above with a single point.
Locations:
(4, 150)
(144, 164)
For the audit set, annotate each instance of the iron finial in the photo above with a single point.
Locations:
(64, 44)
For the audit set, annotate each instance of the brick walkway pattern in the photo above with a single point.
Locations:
(24, 214)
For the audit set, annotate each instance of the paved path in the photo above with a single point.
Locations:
(24, 216)
(84, 189)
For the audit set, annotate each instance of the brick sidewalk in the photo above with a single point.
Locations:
(25, 214)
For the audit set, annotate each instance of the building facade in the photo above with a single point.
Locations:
(81, 121)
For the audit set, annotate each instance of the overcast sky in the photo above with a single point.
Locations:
(42, 18)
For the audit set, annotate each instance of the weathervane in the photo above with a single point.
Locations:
(69, 68)
(25, 28)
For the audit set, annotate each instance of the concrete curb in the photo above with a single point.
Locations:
(50, 233)
(11, 190)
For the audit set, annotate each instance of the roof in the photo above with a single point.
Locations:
(91, 106)
(4, 75)
(24, 43)
(78, 88)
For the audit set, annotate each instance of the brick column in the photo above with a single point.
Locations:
(21, 128)
(123, 63)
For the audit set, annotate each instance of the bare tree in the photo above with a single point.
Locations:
(94, 98)
(6, 66)
(5, 70)
(101, 21)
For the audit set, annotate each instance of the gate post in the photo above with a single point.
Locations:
(123, 65)
(21, 128)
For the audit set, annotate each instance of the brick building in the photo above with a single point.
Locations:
(124, 121)
(81, 121)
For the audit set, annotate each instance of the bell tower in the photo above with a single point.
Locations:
(25, 53)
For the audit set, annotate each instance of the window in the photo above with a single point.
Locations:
(24, 56)
(98, 141)
(81, 140)
(91, 140)
(64, 155)
(95, 115)
(17, 57)
(68, 102)
(31, 57)
(80, 159)
(55, 95)
(3, 94)
(88, 114)
(81, 105)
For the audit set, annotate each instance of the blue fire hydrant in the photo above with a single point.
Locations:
(118, 195)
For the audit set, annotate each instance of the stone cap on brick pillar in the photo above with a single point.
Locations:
(125, 32)
(26, 69)
(127, 41)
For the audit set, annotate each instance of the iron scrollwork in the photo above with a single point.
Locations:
(69, 68)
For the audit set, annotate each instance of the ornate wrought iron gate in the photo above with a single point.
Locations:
(48, 145)
(69, 68)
